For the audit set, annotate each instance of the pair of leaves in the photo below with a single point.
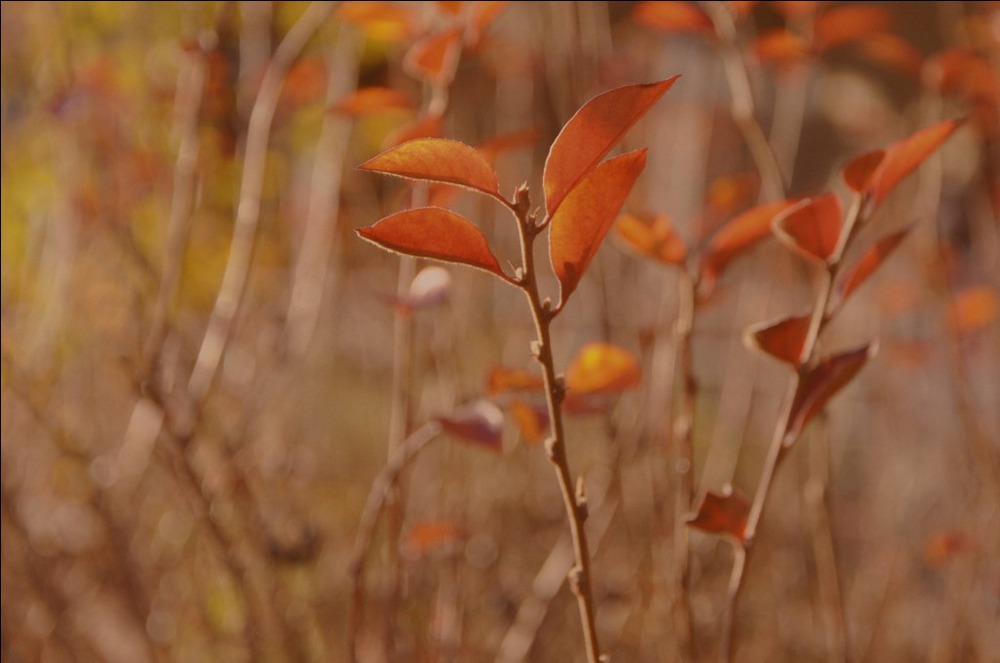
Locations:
(582, 196)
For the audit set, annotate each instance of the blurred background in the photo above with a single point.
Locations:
(205, 370)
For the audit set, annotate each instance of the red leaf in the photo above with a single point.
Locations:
(437, 160)
(579, 225)
(508, 379)
(739, 234)
(865, 266)
(811, 227)
(904, 157)
(602, 368)
(653, 237)
(820, 384)
(840, 25)
(480, 422)
(591, 133)
(366, 100)
(858, 173)
(673, 17)
(435, 58)
(782, 339)
(432, 232)
(724, 513)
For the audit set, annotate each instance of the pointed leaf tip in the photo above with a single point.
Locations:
(591, 133)
(905, 156)
(812, 227)
(435, 233)
(437, 160)
(782, 339)
(585, 216)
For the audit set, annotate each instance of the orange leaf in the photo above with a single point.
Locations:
(532, 421)
(973, 309)
(673, 17)
(782, 48)
(869, 261)
(729, 193)
(724, 513)
(904, 157)
(424, 537)
(508, 379)
(305, 81)
(591, 133)
(858, 173)
(782, 339)
(653, 237)
(427, 126)
(739, 234)
(434, 58)
(602, 368)
(811, 227)
(366, 100)
(579, 225)
(841, 25)
(820, 384)
(432, 232)
(437, 160)
(480, 422)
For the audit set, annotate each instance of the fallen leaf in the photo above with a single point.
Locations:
(583, 219)
(811, 227)
(437, 160)
(591, 133)
(432, 232)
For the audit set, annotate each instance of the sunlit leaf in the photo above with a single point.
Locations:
(722, 513)
(846, 23)
(859, 271)
(820, 384)
(602, 368)
(591, 133)
(585, 216)
(434, 58)
(366, 100)
(382, 20)
(480, 422)
(437, 160)
(509, 379)
(974, 309)
(429, 287)
(426, 537)
(426, 126)
(532, 420)
(432, 232)
(673, 17)
(653, 237)
(812, 227)
(780, 47)
(904, 157)
(739, 234)
(782, 339)
(858, 173)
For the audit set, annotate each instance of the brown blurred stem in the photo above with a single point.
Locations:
(574, 499)
(742, 103)
(381, 492)
(777, 451)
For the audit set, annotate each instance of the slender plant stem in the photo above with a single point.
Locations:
(776, 452)
(573, 498)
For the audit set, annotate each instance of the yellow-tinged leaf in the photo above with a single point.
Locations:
(437, 160)
(602, 368)
(591, 133)
(509, 379)
(585, 216)
(432, 232)
(532, 421)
